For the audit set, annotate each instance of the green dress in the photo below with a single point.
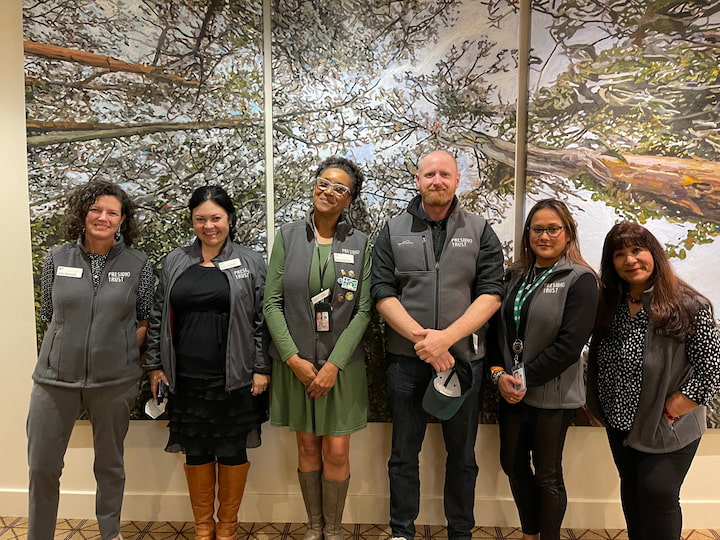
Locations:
(344, 409)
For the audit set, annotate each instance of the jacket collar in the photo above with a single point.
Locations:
(343, 229)
(195, 250)
(116, 248)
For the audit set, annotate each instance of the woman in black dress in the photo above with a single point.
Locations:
(205, 343)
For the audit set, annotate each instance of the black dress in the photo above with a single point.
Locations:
(205, 419)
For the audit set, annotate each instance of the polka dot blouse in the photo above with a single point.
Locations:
(620, 364)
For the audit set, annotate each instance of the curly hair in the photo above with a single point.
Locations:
(353, 171)
(674, 302)
(357, 212)
(83, 197)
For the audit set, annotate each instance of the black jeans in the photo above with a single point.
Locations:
(650, 488)
(539, 491)
(407, 379)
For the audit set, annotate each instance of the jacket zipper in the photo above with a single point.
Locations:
(436, 309)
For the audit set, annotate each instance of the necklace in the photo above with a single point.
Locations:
(630, 298)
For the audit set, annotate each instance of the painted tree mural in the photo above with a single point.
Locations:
(163, 96)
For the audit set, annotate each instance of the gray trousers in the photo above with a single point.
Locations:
(53, 410)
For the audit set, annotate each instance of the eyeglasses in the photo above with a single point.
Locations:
(339, 189)
(552, 232)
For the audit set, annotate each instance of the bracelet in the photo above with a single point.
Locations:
(669, 416)
(497, 372)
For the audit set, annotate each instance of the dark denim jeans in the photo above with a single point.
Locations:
(407, 379)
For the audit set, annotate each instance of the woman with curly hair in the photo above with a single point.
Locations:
(96, 299)
(317, 307)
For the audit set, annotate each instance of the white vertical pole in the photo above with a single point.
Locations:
(521, 123)
(268, 109)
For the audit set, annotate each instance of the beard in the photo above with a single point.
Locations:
(436, 198)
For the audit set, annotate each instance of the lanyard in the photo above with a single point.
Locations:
(521, 297)
(526, 289)
(322, 267)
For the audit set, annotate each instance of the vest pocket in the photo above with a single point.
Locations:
(50, 351)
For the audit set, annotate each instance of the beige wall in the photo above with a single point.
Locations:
(155, 484)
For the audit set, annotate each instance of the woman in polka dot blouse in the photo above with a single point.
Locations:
(654, 366)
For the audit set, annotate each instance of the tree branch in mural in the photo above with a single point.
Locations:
(55, 52)
(68, 132)
(641, 84)
(691, 187)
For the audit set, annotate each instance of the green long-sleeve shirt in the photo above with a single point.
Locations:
(350, 337)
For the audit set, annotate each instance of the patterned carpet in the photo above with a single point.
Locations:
(85, 529)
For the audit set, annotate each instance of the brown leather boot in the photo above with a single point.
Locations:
(231, 486)
(201, 485)
(333, 504)
(311, 488)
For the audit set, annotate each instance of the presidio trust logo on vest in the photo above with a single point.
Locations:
(552, 288)
(117, 277)
(460, 242)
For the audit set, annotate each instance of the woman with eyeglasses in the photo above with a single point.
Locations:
(545, 321)
(317, 307)
(654, 367)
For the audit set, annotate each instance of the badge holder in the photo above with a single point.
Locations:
(518, 369)
(323, 318)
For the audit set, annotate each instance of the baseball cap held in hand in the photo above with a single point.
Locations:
(446, 391)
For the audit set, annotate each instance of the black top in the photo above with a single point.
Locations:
(200, 302)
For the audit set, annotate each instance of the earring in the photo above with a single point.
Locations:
(117, 234)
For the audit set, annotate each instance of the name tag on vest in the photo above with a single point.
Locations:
(69, 271)
(348, 258)
(232, 263)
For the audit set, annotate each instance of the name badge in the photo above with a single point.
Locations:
(319, 297)
(232, 263)
(69, 271)
(348, 258)
(349, 283)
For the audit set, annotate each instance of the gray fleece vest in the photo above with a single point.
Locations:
(92, 340)
(436, 293)
(544, 318)
(665, 369)
(348, 250)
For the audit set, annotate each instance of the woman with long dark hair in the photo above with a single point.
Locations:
(205, 343)
(654, 366)
(545, 321)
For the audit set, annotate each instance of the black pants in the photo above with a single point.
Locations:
(650, 488)
(539, 491)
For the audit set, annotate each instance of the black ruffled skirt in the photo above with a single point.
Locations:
(204, 419)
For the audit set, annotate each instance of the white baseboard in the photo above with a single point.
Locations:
(360, 508)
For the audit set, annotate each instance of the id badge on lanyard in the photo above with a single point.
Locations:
(323, 316)
(323, 311)
(518, 369)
